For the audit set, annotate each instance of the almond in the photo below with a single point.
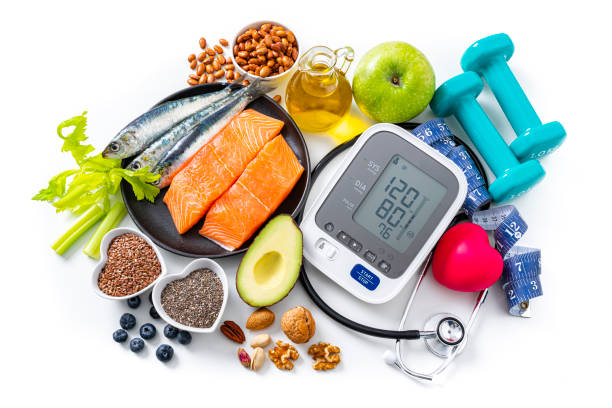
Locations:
(260, 319)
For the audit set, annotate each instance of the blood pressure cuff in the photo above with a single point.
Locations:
(436, 133)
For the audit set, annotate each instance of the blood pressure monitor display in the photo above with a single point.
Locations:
(400, 202)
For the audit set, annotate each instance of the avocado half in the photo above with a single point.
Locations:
(272, 263)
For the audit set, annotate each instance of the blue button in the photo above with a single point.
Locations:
(365, 277)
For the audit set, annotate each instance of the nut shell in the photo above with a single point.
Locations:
(298, 324)
(260, 319)
(259, 357)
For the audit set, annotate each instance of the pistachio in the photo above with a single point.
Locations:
(244, 358)
(261, 340)
(259, 357)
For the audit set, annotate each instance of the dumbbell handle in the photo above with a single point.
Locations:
(510, 95)
(487, 139)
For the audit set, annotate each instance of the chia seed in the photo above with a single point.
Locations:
(195, 300)
(131, 266)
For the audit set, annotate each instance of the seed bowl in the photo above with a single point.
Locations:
(202, 263)
(106, 240)
(273, 80)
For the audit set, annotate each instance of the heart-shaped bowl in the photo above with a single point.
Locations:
(106, 240)
(202, 263)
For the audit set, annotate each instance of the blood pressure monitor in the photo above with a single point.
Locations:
(381, 214)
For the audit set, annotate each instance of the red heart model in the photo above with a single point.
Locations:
(465, 261)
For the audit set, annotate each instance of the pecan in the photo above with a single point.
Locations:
(232, 331)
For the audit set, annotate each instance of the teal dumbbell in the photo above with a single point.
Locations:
(457, 97)
(488, 58)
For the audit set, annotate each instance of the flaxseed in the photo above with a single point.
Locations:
(131, 266)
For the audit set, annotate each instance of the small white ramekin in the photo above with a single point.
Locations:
(106, 240)
(275, 80)
(194, 265)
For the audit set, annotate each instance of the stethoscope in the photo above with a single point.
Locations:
(444, 334)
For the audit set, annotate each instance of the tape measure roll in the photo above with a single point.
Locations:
(522, 265)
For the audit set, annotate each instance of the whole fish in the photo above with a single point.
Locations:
(219, 116)
(156, 151)
(148, 127)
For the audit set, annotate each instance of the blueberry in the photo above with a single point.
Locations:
(184, 337)
(164, 353)
(120, 336)
(170, 331)
(151, 297)
(127, 321)
(153, 312)
(137, 344)
(133, 302)
(147, 331)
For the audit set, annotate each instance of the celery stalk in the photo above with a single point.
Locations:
(78, 190)
(82, 224)
(110, 221)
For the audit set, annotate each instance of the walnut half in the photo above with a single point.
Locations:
(282, 354)
(325, 356)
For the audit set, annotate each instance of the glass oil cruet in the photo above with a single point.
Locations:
(319, 95)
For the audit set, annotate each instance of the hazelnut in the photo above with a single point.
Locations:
(298, 324)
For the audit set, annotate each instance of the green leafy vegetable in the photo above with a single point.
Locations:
(96, 180)
(90, 189)
(72, 142)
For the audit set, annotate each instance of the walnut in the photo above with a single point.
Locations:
(298, 324)
(325, 356)
(282, 354)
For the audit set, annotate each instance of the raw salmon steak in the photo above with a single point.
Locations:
(217, 165)
(263, 186)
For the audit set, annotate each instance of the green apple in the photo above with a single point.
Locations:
(393, 82)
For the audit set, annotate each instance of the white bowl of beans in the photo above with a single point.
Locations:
(129, 265)
(195, 299)
(266, 49)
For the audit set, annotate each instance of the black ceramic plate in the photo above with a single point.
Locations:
(154, 218)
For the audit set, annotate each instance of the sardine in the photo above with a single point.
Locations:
(219, 116)
(156, 151)
(148, 127)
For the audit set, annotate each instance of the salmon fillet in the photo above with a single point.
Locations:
(257, 193)
(215, 167)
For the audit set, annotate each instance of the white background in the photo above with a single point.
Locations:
(116, 59)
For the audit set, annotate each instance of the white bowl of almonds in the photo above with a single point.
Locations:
(129, 265)
(193, 300)
(266, 49)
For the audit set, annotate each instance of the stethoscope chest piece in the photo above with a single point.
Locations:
(447, 332)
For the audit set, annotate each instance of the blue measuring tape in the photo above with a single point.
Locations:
(522, 265)
(436, 133)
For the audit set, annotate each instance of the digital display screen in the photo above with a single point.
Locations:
(399, 204)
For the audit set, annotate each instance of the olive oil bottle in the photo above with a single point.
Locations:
(319, 95)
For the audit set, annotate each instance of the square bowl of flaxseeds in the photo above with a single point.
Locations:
(195, 299)
(129, 265)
